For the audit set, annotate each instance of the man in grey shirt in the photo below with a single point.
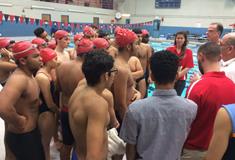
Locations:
(156, 127)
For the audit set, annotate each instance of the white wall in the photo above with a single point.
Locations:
(193, 13)
(60, 9)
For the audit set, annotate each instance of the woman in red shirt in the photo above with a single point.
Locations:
(186, 59)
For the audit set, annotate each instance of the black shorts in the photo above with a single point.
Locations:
(66, 131)
(26, 146)
(43, 108)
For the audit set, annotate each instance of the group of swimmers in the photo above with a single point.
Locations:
(101, 83)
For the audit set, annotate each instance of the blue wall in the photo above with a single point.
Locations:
(170, 30)
(8, 29)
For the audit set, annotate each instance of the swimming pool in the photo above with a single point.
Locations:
(161, 45)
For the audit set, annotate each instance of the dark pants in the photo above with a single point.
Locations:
(179, 86)
(26, 146)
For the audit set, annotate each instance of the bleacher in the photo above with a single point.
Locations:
(106, 4)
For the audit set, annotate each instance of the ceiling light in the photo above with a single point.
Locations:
(42, 7)
(6, 4)
(76, 11)
(126, 15)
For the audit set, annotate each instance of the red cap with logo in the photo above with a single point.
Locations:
(47, 54)
(23, 48)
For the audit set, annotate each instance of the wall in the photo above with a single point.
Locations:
(105, 15)
(193, 13)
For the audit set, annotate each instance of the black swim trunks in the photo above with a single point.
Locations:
(26, 146)
(66, 130)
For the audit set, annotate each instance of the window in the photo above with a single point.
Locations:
(46, 17)
(167, 3)
(64, 18)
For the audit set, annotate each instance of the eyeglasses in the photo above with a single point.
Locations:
(113, 70)
(45, 44)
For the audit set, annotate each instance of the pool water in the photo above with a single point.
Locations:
(157, 46)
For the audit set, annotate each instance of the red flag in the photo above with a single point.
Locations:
(72, 25)
(21, 19)
(12, 18)
(31, 21)
(58, 24)
(66, 24)
(41, 22)
(50, 23)
(1, 15)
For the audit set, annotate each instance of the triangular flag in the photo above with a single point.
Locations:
(21, 19)
(58, 25)
(50, 23)
(6, 16)
(72, 25)
(66, 24)
(79, 26)
(41, 22)
(37, 21)
(26, 20)
(17, 19)
(12, 18)
(31, 21)
(1, 15)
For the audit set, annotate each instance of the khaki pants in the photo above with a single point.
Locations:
(193, 155)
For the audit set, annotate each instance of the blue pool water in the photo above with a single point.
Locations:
(157, 46)
(163, 45)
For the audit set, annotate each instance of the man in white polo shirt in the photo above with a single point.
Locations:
(228, 55)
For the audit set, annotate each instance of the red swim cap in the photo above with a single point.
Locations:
(77, 37)
(4, 42)
(61, 34)
(38, 41)
(47, 54)
(116, 29)
(145, 32)
(124, 37)
(84, 46)
(88, 31)
(52, 44)
(23, 48)
(101, 43)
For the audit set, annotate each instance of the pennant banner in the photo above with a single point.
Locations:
(6, 16)
(12, 18)
(72, 25)
(37, 21)
(1, 15)
(31, 21)
(50, 23)
(17, 19)
(26, 20)
(66, 24)
(58, 25)
(21, 19)
(69, 26)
